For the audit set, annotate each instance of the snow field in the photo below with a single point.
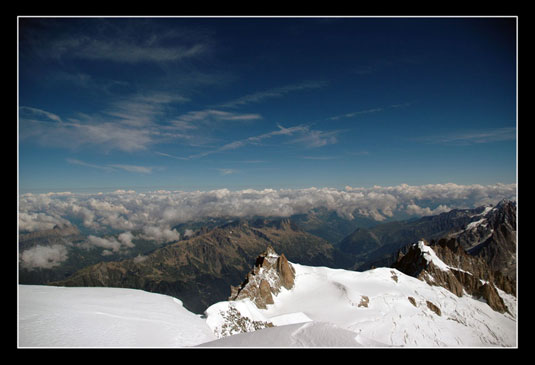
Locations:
(334, 296)
(105, 317)
(325, 308)
(309, 334)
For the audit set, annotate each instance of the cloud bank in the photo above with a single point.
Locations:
(153, 214)
(118, 218)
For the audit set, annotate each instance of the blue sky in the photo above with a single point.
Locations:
(208, 103)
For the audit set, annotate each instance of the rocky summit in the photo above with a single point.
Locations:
(445, 263)
(270, 273)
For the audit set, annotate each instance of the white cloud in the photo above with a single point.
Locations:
(152, 215)
(43, 257)
(114, 40)
(133, 168)
(113, 167)
(413, 209)
(307, 137)
(213, 114)
(74, 161)
(272, 93)
(39, 221)
(76, 134)
(160, 234)
(140, 258)
(227, 171)
(353, 114)
(474, 137)
(106, 243)
(315, 138)
(126, 124)
(39, 113)
(126, 239)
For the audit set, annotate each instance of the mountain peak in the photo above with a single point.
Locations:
(445, 263)
(269, 274)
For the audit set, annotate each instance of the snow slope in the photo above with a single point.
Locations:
(325, 308)
(309, 334)
(105, 317)
(377, 307)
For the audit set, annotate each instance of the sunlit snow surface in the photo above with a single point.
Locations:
(105, 317)
(325, 308)
(328, 296)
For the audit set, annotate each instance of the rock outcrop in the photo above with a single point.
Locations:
(233, 322)
(270, 273)
(445, 263)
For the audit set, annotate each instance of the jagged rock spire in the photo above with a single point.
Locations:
(269, 274)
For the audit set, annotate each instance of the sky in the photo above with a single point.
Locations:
(195, 104)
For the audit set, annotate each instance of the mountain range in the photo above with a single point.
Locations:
(456, 288)
(199, 270)
(485, 231)
(421, 301)
(433, 302)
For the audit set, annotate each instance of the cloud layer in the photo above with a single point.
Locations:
(144, 212)
(152, 215)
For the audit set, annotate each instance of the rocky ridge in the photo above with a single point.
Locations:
(445, 263)
(487, 231)
(493, 238)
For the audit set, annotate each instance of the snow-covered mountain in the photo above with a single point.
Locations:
(279, 304)
(379, 307)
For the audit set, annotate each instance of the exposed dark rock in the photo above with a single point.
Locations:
(364, 300)
(433, 307)
(286, 272)
(235, 323)
(394, 276)
(465, 273)
(270, 273)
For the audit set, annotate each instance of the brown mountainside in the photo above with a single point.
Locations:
(200, 270)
